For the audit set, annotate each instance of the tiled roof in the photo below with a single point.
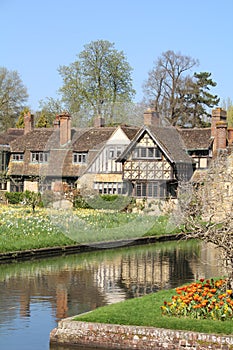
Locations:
(89, 138)
(61, 163)
(171, 142)
(167, 138)
(35, 140)
(10, 135)
(197, 138)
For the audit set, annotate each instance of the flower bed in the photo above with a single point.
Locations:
(206, 299)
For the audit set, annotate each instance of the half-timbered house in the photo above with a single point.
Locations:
(155, 161)
(105, 172)
(150, 159)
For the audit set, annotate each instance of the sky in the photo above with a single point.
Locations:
(38, 36)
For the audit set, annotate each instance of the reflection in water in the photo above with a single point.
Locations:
(36, 294)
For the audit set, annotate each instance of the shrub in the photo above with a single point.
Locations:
(14, 197)
(79, 202)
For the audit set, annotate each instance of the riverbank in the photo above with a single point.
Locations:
(28, 254)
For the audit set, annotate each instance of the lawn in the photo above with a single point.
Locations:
(146, 311)
(20, 229)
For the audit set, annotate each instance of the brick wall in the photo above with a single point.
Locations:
(133, 337)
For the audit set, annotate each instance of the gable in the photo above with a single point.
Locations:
(118, 137)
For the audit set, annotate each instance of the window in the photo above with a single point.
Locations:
(17, 157)
(155, 189)
(3, 185)
(39, 157)
(111, 153)
(147, 152)
(111, 187)
(114, 152)
(79, 157)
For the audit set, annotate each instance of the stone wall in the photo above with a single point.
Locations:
(134, 337)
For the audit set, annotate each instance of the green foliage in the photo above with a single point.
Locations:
(79, 202)
(109, 202)
(42, 122)
(32, 199)
(20, 122)
(14, 197)
(28, 197)
(198, 98)
(98, 82)
(230, 116)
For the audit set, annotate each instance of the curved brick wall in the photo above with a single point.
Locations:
(134, 337)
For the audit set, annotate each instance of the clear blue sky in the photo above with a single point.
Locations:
(37, 36)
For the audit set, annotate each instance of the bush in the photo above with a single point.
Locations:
(14, 197)
(79, 202)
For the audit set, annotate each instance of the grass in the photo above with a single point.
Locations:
(20, 229)
(146, 311)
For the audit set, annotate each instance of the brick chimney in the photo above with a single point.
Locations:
(99, 122)
(151, 118)
(65, 128)
(28, 122)
(218, 114)
(230, 136)
(56, 123)
(221, 136)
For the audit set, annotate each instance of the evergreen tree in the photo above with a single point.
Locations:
(198, 98)
(20, 122)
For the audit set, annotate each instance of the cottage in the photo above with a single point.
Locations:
(146, 161)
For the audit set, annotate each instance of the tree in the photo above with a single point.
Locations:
(13, 95)
(166, 84)
(198, 98)
(206, 212)
(178, 97)
(49, 108)
(20, 122)
(98, 82)
(32, 199)
(228, 106)
(42, 121)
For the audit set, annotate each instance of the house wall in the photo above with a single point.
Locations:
(147, 169)
(32, 186)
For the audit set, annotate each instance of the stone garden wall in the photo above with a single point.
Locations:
(133, 337)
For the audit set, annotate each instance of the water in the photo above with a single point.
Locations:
(35, 295)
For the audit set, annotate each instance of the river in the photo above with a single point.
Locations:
(35, 295)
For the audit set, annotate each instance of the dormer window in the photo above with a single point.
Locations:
(147, 153)
(39, 157)
(17, 157)
(80, 157)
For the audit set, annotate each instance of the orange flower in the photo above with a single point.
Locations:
(229, 291)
